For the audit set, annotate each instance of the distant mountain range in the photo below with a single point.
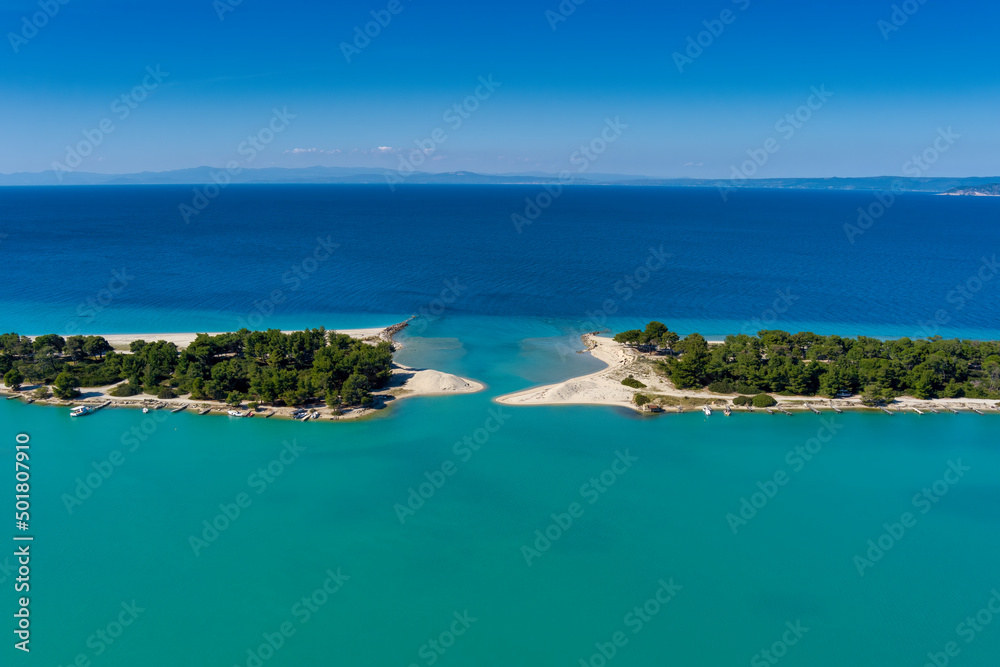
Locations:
(203, 175)
(990, 190)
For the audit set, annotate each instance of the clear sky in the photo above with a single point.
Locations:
(561, 76)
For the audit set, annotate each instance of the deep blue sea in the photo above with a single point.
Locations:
(762, 259)
(682, 548)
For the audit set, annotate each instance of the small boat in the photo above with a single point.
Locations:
(707, 410)
(235, 413)
(727, 411)
(81, 410)
(249, 413)
(145, 410)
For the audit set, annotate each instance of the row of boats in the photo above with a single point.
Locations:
(708, 411)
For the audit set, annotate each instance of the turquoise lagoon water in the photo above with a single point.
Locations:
(525, 298)
(663, 518)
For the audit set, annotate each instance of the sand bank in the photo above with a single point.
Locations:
(121, 341)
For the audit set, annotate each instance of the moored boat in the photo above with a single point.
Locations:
(707, 410)
(80, 411)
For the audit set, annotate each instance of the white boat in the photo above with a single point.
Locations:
(707, 410)
(145, 410)
(727, 411)
(235, 413)
(80, 411)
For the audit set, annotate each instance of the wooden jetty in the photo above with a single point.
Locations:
(934, 410)
(204, 411)
(769, 411)
(953, 410)
(976, 411)
(917, 410)
(785, 411)
(181, 408)
(12, 397)
(837, 410)
(886, 410)
(268, 414)
(812, 408)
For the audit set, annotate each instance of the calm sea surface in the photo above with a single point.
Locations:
(626, 508)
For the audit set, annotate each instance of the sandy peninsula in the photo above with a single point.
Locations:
(605, 388)
(406, 382)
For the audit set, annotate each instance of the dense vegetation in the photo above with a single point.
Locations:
(265, 366)
(809, 364)
(632, 382)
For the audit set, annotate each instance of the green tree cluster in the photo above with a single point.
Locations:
(809, 364)
(267, 366)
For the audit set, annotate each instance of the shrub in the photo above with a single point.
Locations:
(641, 399)
(166, 392)
(42, 393)
(125, 389)
(632, 382)
(742, 400)
(763, 401)
(722, 387)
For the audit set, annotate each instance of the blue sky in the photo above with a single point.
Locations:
(892, 89)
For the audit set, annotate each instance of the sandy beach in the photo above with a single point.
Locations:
(121, 341)
(605, 388)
